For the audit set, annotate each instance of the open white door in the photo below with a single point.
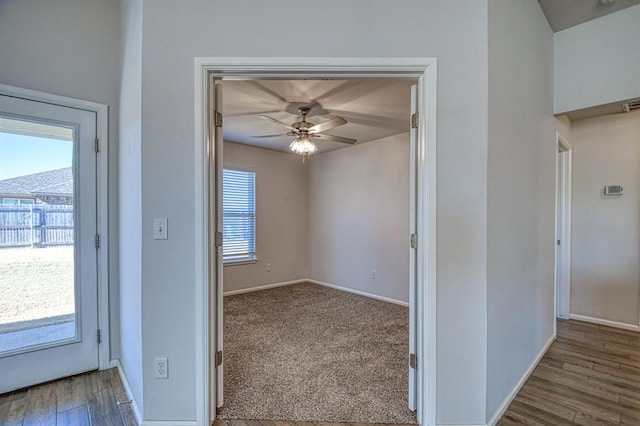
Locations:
(219, 288)
(413, 251)
(214, 177)
(563, 229)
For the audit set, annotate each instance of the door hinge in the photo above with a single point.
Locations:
(218, 358)
(97, 240)
(558, 242)
(97, 145)
(218, 119)
(414, 241)
(413, 361)
(99, 336)
(218, 239)
(414, 120)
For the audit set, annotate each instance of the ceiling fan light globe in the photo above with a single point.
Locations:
(303, 146)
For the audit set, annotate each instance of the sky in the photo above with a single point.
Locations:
(23, 155)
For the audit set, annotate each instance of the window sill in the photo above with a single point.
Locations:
(240, 261)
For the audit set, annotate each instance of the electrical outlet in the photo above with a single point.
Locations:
(374, 274)
(268, 267)
(161, 368)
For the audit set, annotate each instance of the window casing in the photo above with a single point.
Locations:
(238, 216)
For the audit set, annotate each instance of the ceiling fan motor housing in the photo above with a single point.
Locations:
(303, 126)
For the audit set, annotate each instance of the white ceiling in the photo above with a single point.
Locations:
(563, 14)
(374, 109)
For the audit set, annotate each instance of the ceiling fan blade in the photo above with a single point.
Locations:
(266, 117)
(333, 138)
(327, 125)
(271, 136)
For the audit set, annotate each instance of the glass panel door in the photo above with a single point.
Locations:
(48, 270)
(37, 291)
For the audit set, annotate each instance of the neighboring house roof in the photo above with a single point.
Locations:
(53, 182)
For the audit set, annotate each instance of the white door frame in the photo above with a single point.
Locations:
(101, 110)
(422, 68)
(562, 282)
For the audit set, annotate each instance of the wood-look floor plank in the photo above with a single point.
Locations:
(78, 416)
(624, 372)
(615, 407)
(103, 409)
(577, 354)
(529, 415)
(588, 420)
(572, 380)
(70, 393)
(603, 376)
(541, 404)
(599, 354)
(511, 418)
(96, 381)
(628, 421)
(40, 407)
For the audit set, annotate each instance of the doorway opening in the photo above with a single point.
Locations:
(563, 229)
(327, 225)
(210, 169)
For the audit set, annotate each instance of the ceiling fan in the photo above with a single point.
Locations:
(304, 131)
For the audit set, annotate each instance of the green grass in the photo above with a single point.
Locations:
(36, 283)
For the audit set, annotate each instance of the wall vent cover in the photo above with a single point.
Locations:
(631, 105)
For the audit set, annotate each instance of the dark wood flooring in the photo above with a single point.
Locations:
(90, 399)
(589, 376)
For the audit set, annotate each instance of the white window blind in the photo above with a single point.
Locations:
(238, 215)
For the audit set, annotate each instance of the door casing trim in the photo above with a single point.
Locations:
(246, 68)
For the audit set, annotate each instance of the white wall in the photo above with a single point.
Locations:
(605, 271)
(175, 33)
(281, 217)
(70, 48)
(359, 217)
(597, 62)
(131, 197)
(521, 193)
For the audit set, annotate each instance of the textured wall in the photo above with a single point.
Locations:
(605, 272)
(597, 62)
(521, 191)
(359, 217)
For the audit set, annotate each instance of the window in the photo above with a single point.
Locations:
(238, 216)
(18, 201)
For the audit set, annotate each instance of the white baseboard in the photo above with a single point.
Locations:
(264, 287)
(608, 323)
(127, 389)
(358, 292)
(168, 423)
(505, 403)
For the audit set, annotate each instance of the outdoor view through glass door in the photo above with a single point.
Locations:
(48, 281)
(37, 297)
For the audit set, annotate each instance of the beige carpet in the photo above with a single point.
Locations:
(309, 353)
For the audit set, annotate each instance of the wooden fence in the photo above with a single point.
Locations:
(35, 225)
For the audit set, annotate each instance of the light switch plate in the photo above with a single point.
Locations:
(160, 228)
